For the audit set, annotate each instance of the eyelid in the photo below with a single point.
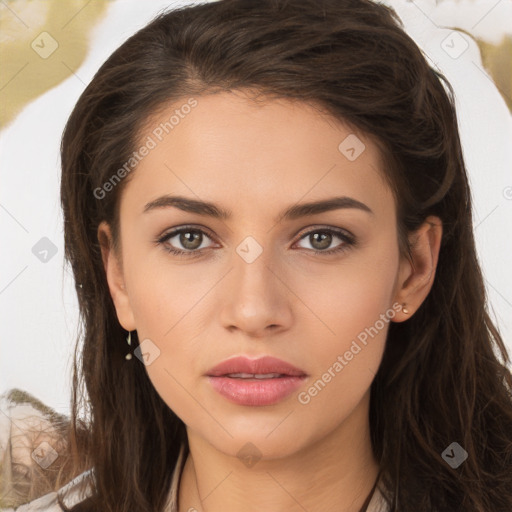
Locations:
(322, 227)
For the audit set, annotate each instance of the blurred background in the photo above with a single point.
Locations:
(50, 50)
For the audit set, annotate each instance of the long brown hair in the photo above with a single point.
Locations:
(443, 377)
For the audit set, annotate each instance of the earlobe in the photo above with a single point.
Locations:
(417, 274)
(115, 277)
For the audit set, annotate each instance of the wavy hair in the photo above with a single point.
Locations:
(443, 377)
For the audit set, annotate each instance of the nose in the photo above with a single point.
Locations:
(257, 300)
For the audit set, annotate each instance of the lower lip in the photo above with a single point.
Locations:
(255, 391)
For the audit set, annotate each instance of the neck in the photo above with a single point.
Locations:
(335, 473)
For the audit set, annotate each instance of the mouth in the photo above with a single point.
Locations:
(259, 382)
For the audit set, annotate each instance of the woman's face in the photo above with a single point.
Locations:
(251, 284)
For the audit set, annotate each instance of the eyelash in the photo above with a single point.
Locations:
(348, 241)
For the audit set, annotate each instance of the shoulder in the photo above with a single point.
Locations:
(33, 449)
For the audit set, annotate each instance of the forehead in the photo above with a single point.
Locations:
(226, 145)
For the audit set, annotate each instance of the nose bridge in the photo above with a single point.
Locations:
(251, 273)
(256, 299)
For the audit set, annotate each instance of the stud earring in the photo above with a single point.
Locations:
(129, 341)
(404, 309)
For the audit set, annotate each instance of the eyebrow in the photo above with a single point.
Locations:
(293, 212)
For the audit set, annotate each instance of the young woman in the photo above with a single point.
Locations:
(268, 219)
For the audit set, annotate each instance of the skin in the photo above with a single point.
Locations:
(305, 308)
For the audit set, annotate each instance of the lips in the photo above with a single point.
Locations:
(257, 367)
(255, 382)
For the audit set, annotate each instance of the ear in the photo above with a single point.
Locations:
(417, 273)
(115, 279)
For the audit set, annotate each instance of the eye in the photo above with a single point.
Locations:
(321, 238)
(189, 240)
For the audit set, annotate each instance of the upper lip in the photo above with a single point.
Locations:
(262, 365)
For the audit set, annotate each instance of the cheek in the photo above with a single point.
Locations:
(163, 293)
(349, 297)
(345, 364)
(354, 308)
(166, 303)
(166, 309)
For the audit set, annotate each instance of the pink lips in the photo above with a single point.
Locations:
(255, 391)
